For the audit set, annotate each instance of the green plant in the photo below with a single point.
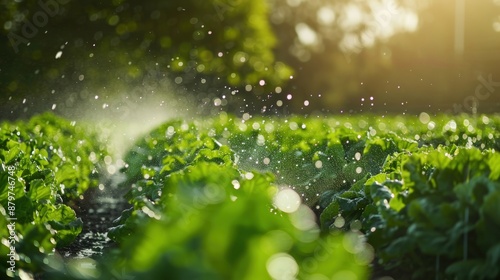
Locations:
(44, 162)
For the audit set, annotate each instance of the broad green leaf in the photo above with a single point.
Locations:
(400, 247)
(468, 269)
(491, 207)
(429, 241)
(39, 190)
(493, 257)
(62, 219)
(494, 164)
(380, 192)
(328, 215)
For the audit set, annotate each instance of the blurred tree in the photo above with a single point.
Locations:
(346, 54)
(400, 53)
(430, 68)
(53, 46)
(339, 49)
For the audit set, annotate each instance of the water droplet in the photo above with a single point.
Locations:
(424, 117)
(287, 200)
(235, 184)
(282, 266)
(269, 127)
(357, 156)
(339, 222)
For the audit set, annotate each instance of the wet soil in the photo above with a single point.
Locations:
(97, 210)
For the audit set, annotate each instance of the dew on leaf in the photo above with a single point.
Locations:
(266, 161)
(357, 156)
(339, 222)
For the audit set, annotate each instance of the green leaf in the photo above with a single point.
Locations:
(422, 211)
(493, 257)
(491, 207)
(328, 215)
(494, 164)
(379, 178)
(400, 247)
(429, 241)
(41, 174)
(63, 219)
(66, 232)
(469, 269)
(326, 198)
(359, 185)
(474, 191)
(380, 192)
(14, 153)
(397, 204)
(39, 190)
(24, 209)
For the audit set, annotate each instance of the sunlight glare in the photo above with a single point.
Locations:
(326, 15)
(307, 35)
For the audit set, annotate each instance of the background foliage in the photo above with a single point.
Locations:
(338, 52)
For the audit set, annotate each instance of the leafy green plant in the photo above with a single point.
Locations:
(434, 215)
(43, 162)
(217, 219)
(419, 198)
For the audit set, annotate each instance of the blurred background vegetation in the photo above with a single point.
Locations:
(382, 56)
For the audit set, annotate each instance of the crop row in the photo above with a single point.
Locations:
(219, 198)
(46, 164)
(405, 185)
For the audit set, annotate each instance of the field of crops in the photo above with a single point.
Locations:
(226, 197)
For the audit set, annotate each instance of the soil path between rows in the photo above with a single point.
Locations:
(97, 210)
